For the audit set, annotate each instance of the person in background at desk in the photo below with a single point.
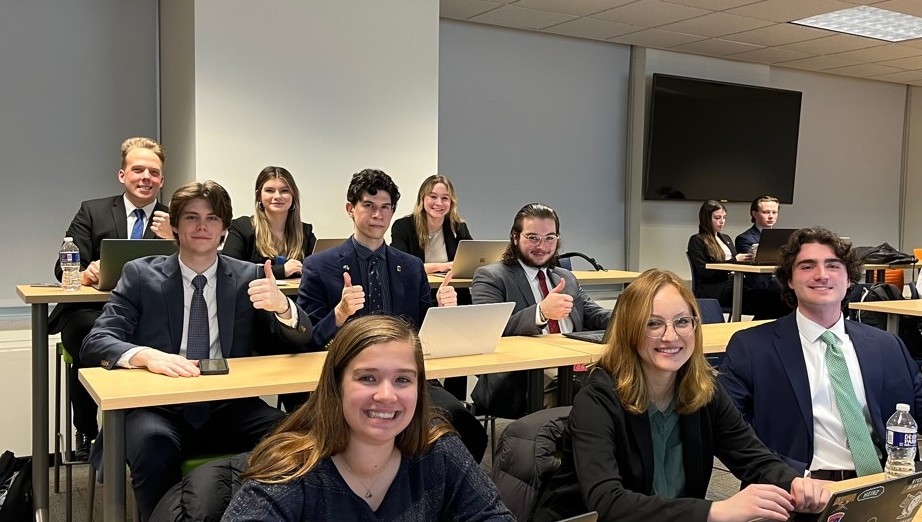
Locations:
(709, 245)
(644, 430)
(367, 445)
(364, 276)
(816, 388)
(548, 299)
(169, 312)
(764, 214)
(762, 292)
(125, 216)
(431, 233)
(274, 232)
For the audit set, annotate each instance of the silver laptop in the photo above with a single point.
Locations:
(326, 244)
(114, 253)
(475, 253)
(463, 330)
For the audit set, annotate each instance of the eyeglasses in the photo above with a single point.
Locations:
(683, 327)
(534, 239)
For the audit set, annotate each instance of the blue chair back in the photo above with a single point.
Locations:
(711, 311)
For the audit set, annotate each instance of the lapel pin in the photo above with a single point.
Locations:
(345, 268)
(398, 268)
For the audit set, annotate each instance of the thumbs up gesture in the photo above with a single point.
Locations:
(446, 294)
(265, 294)
(352, 300)
(557, 305)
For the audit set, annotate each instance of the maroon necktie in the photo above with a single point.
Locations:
(552, 325)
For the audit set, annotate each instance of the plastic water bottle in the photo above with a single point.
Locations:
(901, 443)
(70, 265)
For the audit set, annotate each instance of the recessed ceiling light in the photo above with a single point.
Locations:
(868, 21)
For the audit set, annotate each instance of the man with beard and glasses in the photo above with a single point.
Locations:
(548, 299)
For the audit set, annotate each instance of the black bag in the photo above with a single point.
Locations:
(15, 488)
(883, 254)
(910, 328)
(501, 394)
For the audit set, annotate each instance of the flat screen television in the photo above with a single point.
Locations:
(718, 140)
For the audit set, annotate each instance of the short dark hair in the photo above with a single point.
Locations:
(371, 181)
(211, 192)
(841, 247)
(531, 210)
(754, 207)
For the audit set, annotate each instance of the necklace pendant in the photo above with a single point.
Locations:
(368, 493)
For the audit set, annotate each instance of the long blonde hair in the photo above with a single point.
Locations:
(696, 384)
(419, 211)
(294, 232)
(318, 429)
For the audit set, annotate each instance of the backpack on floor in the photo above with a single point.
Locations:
(910, 328)
(15, 488)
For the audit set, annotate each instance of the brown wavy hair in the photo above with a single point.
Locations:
(294, 231)
(208, 190)
(318, 429)
(531, 210)
(696, 384)
(841, 248)
(419, 211)
(706, 228)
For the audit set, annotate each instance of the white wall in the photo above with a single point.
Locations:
(77, 79)
(529, 117)
(848, 159)
(323, 88)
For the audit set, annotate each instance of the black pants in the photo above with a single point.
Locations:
(472, 433)
(75, 328)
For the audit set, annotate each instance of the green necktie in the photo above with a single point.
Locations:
(856, 428)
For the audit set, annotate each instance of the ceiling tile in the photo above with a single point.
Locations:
(712, 5)
(865, 70)
(787, 10)
(913, 7)
(464, 9)
(913, 62)
(522, 18)
(880, 53)
(778, 34)
(913, 43)
(656, 38)
(903, 76)
(592, 29)
(650, 13)
(714, 47)
(769, 55)
(836, 43)
(715, 24)
(819, 63)
(572, 7)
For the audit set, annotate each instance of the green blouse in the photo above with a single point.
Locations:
(668, 468)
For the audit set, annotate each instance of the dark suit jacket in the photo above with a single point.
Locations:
(765, 374)
(241, 244)
(96, 220)
(498, 283)
(608, 463)
(146, 309)
(322, 287)
(713, 284)
(743, 244)
(403, 237)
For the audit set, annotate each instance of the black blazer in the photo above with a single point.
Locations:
(241, 244)
(714, 284)
(608, 459)
(97, 219)
(403, 237)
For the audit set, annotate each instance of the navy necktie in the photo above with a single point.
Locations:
(198, 345)
(375, 298)
(137, 230)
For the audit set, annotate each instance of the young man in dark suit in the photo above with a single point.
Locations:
(816, 388)
(365, 275)
(125, 216)
(763, 213)
(169, 312)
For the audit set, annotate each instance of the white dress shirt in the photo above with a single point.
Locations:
(131, 218)
(531, 273)
(830, 451)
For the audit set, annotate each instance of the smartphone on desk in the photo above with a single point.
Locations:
(213, 366)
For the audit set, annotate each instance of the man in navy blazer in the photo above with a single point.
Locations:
(763, 213)
(113, 217)
(338, 284)
(777, 373)
(148, 323)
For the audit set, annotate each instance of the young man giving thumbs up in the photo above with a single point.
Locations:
(364, 275)
(169, 312)
(547, 298)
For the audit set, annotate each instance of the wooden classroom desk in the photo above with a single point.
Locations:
(716, 336)
(893, 309)
(115, 391)
(585, 278)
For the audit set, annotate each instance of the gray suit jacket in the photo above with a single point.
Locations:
(146, 309)
(497, 283)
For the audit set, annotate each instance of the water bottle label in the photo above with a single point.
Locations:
(901, 440)
(70, 257)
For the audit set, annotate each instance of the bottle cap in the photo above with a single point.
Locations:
(902, 407)
(68, 239)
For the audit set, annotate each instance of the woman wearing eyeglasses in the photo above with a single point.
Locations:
(644, 430)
